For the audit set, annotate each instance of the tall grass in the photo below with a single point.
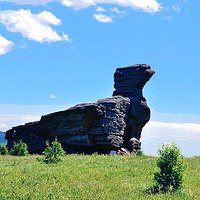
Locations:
(89, 177)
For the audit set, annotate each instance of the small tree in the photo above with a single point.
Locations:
(169, 176)
(52, 154)
(19, 149)
(3, 150)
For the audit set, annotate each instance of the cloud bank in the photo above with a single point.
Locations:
(9, 120)
(32, 26)
(14, 115)
(146, 5)
(177, 131)
(37, 27)
(34, 2)
(186, 135)
(149, 6)
(5, 45)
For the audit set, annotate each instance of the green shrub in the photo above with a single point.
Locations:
(169, 176)
(19, 149)
(3, 150)
(53, 153)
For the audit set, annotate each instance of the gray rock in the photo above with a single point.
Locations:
(109, 124)
(98, 126)
(129, 82)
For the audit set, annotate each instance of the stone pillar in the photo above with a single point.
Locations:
(129, 82)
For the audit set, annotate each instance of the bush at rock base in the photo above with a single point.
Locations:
(19, 149)
(3, 150)
(52, 153)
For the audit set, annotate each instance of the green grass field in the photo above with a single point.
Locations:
(89, 177)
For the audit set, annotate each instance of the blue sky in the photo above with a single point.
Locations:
(55, 54)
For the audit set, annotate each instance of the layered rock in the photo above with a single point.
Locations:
(129, 82)
(109, 124)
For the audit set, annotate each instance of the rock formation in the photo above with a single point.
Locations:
(129, 82)
(109, 124)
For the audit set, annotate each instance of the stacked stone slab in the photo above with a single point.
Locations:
(109, 124)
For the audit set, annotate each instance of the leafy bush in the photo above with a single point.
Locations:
(3, 150)
(19, 149)
(53, 154)
(171, 166)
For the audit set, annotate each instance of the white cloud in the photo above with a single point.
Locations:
(66, 37)
(100, 9)
(103, 18)
(3, 126)
(53, 96)
(13, 115)
(167, 132)
(182, 128)
(11, 120)
(150, 6)
(48, 18)
(176, 8)
(174, 117)
(32, 26)
(116, 10)
(5, 45)
(34, 2)
(186, 135)
(186, 127)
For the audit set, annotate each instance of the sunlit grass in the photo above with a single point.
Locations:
(89, 177)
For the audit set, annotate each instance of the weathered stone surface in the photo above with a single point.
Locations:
(129, 82)
(109, 124)
(98, 126)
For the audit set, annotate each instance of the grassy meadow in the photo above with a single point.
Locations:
(89, 177)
